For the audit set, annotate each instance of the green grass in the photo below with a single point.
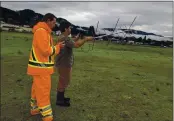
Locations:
(110, 83)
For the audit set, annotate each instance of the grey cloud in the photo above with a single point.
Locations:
(151, 16)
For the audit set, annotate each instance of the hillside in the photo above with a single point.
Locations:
(22, 17)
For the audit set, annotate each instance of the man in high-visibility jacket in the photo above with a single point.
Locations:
(41, 66)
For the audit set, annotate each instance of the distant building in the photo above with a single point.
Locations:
(130, 42)
(10, 27)
(27, 26)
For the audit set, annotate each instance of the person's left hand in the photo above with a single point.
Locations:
(61, 44)
(78, 36)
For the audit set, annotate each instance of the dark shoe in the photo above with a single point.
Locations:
(61, 100)
(63, 103)
(67, 99)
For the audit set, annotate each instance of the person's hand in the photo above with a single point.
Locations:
(61, 39)
(61, 44)
(78, 36)
(89, 38)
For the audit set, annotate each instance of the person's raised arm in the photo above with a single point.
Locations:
(80, 42)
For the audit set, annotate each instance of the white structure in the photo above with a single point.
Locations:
(121, 33)
(6, 27)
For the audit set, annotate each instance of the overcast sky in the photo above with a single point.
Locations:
(153, 17)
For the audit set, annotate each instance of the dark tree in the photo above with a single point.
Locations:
(139, 39)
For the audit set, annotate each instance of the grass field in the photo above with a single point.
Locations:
(110, 83)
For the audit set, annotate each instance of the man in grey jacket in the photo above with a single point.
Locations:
(64, 61)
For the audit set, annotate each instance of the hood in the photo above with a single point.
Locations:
(41, 25)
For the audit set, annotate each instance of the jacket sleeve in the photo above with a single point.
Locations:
(42, 42)
(70, 43)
